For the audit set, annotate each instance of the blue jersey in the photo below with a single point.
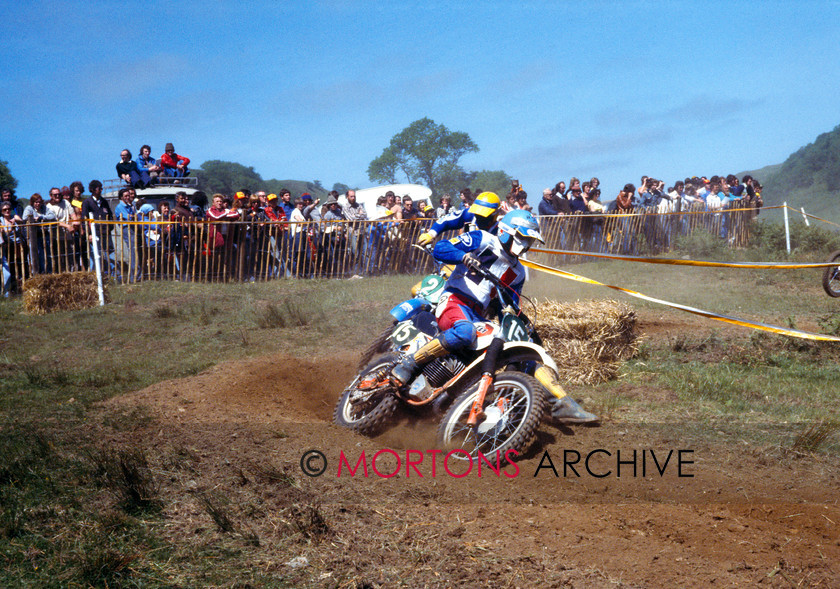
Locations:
(455, 221)
(488, 249)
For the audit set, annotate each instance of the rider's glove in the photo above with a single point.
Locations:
(426, 238)
(471, 262)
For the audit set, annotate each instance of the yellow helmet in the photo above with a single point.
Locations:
(485, 204)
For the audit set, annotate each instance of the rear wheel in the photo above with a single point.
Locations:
(513, 412)
(367, 413)
(831, 277)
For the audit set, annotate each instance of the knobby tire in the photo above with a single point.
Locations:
(373, 421)
(453, 432)
(831, 277)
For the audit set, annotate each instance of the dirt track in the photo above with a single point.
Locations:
(238, 431)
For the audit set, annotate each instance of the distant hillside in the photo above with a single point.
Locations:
(229, 177)
(809, 178)
(762, 174)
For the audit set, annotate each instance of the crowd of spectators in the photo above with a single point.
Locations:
(715, 194)
(300, 236)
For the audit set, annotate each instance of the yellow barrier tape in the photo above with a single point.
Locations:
(650, 211)
(694, 310)
(812, 216)
(754, 265)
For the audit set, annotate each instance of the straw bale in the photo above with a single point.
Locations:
(69, 291)
(589, 340)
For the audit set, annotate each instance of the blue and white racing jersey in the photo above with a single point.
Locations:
(488, 249)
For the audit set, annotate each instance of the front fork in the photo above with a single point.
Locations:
(547, 377)
(485, 385)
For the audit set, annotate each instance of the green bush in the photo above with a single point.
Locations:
(770, 237)
(702, 243)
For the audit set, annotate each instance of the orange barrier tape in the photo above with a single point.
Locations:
(693, 310)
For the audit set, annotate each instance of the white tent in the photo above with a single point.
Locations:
(368, 196)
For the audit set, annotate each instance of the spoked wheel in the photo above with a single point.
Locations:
(513, 410)
(367, 412)
(831, 277)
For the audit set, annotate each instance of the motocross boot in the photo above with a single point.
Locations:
(564, 409)
(410, 365)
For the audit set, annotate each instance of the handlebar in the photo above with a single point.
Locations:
(501, 288)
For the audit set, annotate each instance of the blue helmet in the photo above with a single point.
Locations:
(518, 230)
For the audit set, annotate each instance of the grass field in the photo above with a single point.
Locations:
(76, 513)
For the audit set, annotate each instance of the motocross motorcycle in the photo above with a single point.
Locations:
(831, 276)
(411, 315)
(495, 392)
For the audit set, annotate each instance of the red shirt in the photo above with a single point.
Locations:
(171, 160)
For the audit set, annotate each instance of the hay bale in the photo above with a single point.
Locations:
(588, 340)
(69, 291)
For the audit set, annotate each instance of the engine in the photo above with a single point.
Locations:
(440, 370)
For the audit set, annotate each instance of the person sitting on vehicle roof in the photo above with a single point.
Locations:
(481, 214)
(129, 172)
(146, 163)
(174, 165)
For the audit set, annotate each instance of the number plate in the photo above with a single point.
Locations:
(404, 333)
(513, 329)
(431, 288)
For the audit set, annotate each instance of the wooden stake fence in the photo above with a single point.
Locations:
(207, 251)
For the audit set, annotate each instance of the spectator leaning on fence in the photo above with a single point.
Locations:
(96, 207)
(9, 196)
(624, 200)
(62, 210)
(355, 213)
(286, 202)
(408, 210)
(36, 212)
(546, 206)
(445, 206)
(11, 253)
(125, 211)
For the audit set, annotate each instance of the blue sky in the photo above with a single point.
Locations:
(316, 90)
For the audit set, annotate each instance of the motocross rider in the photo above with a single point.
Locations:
(467, 298)
(480, 215)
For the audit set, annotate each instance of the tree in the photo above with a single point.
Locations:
(340, 188)
(228, 177)
(6, 178)
(425, 152)
(491, 181)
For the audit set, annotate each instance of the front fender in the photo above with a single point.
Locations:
(513, 349)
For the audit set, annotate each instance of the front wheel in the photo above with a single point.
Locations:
(513, 410)
(367, 414)
(831, 277)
